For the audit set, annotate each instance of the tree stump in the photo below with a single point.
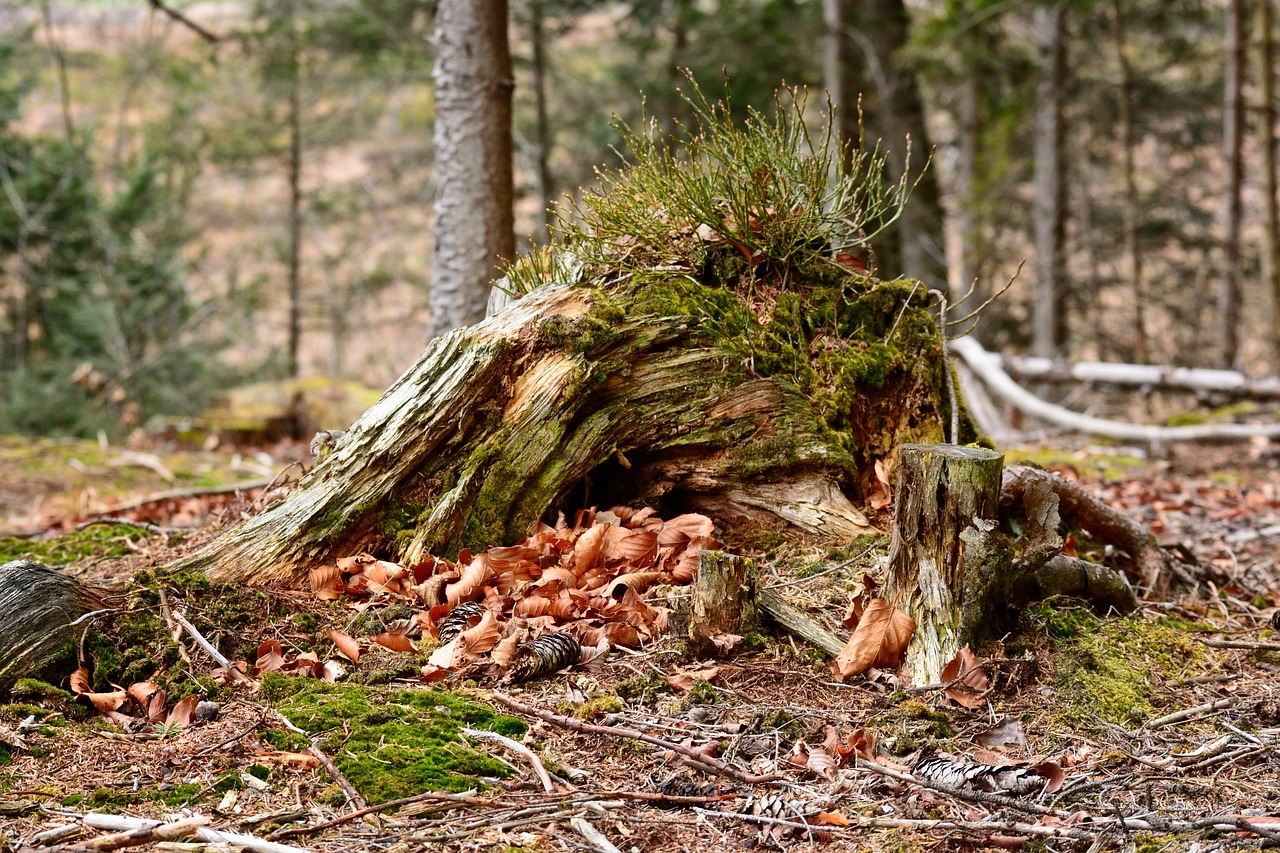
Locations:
(941, 490)
(724, 602)
(37, 608)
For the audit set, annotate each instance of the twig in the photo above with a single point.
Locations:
(198, 29)
(1241, 644)
(195, 492)
(1188, 713)
(98, 820)
(141, 525)
(146, 834)
(593, 836)
(519, 749)
(218, 657)
(459, 799)
(580, 726)
(353, 796)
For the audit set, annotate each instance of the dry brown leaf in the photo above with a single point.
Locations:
(395, 642)
(445, 657)
(347, 645)
(880, 639)
(531, 605)
(297, 760)
(636, 581)
(637, 547)
(507, 649)
(473, 577)
(105, 702)
(1006, 732)
(1052, 771)
(588, 548)
(881, 491)
(821, 763)
(142, 691)
(270, 657)
(482, 637)
(833, 819)
(183, 712)
(79, 681)
(156, 706)
(681, 682)
(326, 583)
(967, 681)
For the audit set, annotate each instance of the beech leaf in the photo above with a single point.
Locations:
(347, 645)
(880, 640)
(968, 681)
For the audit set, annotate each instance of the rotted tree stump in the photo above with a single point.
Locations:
(724, 602)
(941, 490)
(38, 608)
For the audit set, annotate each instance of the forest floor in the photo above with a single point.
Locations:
(1155, 731)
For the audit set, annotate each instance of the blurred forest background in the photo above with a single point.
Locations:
(176, 179)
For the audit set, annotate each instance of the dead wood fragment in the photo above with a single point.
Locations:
(519, 749)
(1097, 584)
(724, 602)
(697, 756)
(354, 799)
(942, 490)
(1150, 566)
(38, 609)
(797, 622)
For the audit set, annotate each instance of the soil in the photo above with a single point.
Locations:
(1086, 693)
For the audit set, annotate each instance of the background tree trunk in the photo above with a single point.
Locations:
(1232, 179)
(1050, 208)
(1267, 141)
(473, 170)
(1132, 212)
(294, 70)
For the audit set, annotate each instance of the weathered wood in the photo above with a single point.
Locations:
(798, 623)
(37, 606)
(563, 390)
(723, 601)
(941, 490)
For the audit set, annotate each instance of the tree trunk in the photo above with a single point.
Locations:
(1267, 140)
(582, 394)
(1131, 209)
(967, 194)
(837, 68)
(919, 249)
(474, 230)
(294, 61)
(1049, 320)
(941, 491)
(542, 126)
(724, 602)
(1232, 179)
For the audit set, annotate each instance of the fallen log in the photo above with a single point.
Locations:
(1156, 377)
(988, 367)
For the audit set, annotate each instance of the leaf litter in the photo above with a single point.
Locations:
(860, 726)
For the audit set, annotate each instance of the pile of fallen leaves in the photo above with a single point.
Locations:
(562, 596)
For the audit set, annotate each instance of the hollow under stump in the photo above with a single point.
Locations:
(941, 491)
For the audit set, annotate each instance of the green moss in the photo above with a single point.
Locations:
(1112, 668)
(96, 542)
(397, 744)
(702, 693)
(32, 692)
(597, 707)
(643, 689)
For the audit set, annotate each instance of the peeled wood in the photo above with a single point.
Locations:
(723, 600)
(501, 421)
(941, 491)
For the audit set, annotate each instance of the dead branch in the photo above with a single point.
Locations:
(356, 801)
(519, 749)
(988, 368)
(580, 726)
(176, 15)
(1154, 376)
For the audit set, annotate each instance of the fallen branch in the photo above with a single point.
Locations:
(519, 749)
(121, 823)
(1198, 710)
(1153, 376)
(218, 657)
(579, 726)
(149, 834)
(593, 836)
(987, 366)
(354, 799)
(194, 492)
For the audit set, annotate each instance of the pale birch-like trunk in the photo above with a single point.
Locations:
(1229, 298)
(1049, 320)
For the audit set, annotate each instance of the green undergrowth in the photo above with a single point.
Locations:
(95, 542)
(1111, 669)
(390, 744)
(136, 644)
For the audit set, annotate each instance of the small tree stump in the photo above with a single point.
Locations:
(940, 491)
(37, 606)
(724, 601)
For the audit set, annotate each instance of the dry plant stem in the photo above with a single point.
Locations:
(354, 799)
(984, 826)
(519, 749)
(1187, 713)
(144, 835)
(580, 726)
(594, 837)
(141, 525)
(200, 491)
(98, 820)
(1242, 644)
(458, 799)
(218, 657)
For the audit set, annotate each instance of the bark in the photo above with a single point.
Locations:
(473, 209)
(1267, 139)
(724, 601)
(37, 608)
(295, 192)
(837, 68)
(577, 395)
(1146, 563)
(1050, 320)
(1232, 179)
(919, 248)
(941, 490)
(968, 152)
(1132, 213)
(542, 126)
